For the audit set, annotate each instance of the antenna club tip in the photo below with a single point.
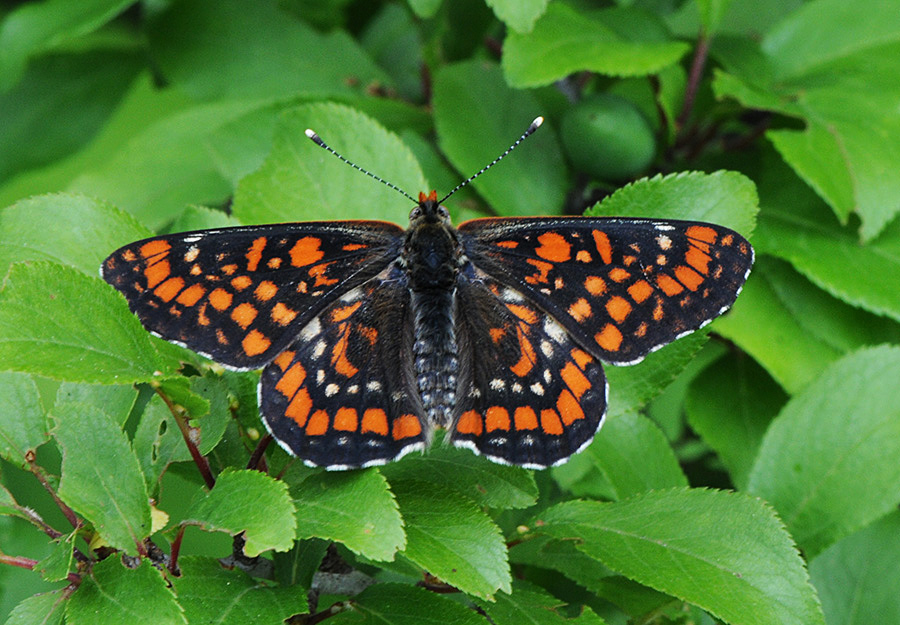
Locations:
(311, 133)
(537, 122)
(315, 138)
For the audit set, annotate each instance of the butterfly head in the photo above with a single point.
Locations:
(429, 211)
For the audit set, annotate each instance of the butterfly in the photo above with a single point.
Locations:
(371, 336)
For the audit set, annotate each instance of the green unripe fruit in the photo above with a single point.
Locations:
(607, 137)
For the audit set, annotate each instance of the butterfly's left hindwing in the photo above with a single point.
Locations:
(241, 295)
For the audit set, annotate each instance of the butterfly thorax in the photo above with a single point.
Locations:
(431, 257)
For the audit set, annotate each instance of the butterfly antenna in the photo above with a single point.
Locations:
(534, 126)
(318, 141)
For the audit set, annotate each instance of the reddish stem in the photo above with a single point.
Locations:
(199, 459)
(701, 52)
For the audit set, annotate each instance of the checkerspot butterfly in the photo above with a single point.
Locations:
(370, 336)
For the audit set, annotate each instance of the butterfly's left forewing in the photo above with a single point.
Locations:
(241, 295)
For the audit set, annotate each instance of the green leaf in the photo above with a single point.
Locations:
(87, 231)
(115, 595)
(711, 13)
(35, 27)
(166, 165)
(711, 548)
(213, 422)
(531, 605)
(616, 42)
(41, 125)
(520, 15)
(844, 425)
(846, 91)
(59, 323)
(210, 593)
(158, 442)
(55, 566)
(726, 198)
(454, 540)
(766, 329)
(562, 556)
(425, 8)
(355, 508)
(116, 402)
(479, 479)
(43, 609)
(628, 456)
(730, 405)
(472, 133)
(101, 478)
(23, 422)
(796, 227)
(858, 578)
(255, 52)
(300, 180)
(400, 604)
(250, 502)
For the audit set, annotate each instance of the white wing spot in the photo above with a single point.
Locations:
(497, 384)
(537, 388)
(547, 348)
(311, 330)
(373, 386)
(331, 390)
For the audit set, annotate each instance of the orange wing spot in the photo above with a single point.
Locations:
(550, 422)
(339, 358)
(641, 331)
(703, 233)
(688, 277)
(318, 423)
(618, 308)
(629, 260)
(617, 274)
(157, 272)
(127, 255)
(698, 259)
(169, 289)
(254, 254)
(318, 272)
(595, 285)
(375, 420)
(220, 299)
(346, 420)
(580, 310)
(640, 291)
(668, 284)
(510, 245)
(526, 361)
(344, 312)
(727, 240)
(601, 241)
(371, 334)
(191, 255)
(406, 426)
(283, 360)
(306, 252)
(202, 319)
(524, 418)
(569, 408)
(191, 295)
(244, 314)
(352, 247)
(524, 313)
(583, 256)
(291, 381)
(658, 312)
(266, 290)
(220, 336)
(581, 357)
(255, 343)
(542, 270)
(229, 270)
(241, 282)
(575, 380)
(609, 338)
(497, 334)
(554, 247)
(196, 270)
(299, 408)
(282, 315)
(496, 418)
(153, 248)
(470, 422)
